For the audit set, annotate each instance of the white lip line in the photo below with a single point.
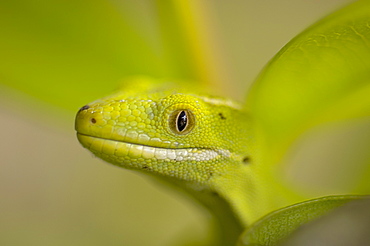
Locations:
(150, 146)
(179, 154)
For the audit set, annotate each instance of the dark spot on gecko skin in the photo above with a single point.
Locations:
(145, 167)
(84, 108)
(246, 160)
(210, 174)
(222, 116)
(93, 120)
(214, 193)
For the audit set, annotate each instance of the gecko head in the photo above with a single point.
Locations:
(164, 130)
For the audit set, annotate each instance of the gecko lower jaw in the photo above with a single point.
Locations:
(120, 149)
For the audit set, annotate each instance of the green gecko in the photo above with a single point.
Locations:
(200, 143)
(210, 147)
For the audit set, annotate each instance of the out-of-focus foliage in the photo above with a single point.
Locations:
(319, 79)
(279, 224)
(58, 50)
(63, 50)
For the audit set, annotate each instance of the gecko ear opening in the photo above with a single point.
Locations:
(181, 121)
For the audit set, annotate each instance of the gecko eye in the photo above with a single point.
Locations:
(181, 121)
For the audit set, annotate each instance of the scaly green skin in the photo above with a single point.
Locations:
(136, 129)
(212, 158)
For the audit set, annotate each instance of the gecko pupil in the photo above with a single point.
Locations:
(182, 121)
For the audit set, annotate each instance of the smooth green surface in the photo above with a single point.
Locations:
(347, 225)
(320, 77)
(278, 225)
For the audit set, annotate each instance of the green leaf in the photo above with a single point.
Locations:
(322, 76)
(347, 225)
(279, 224)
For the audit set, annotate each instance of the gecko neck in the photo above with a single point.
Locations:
(226, 223)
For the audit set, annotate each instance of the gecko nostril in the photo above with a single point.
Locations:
(246, 160)
(84, 108)
(93, 120)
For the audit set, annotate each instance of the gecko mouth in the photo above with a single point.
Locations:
(114, 149)
(132, 142)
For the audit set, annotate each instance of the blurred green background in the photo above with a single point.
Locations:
(57, 56)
